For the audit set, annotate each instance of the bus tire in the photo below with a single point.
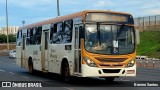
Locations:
(30, 66)
(65, 71)
(109, 79)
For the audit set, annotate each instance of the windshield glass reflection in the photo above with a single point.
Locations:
(109, 39)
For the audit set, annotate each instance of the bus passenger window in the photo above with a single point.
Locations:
(19, 34)
(28, 33)
(60, 32)
(67, 36)
(38, 35)
(28, 37)
(33, 36)
(51, 33)
(54, 38)
(19, 37)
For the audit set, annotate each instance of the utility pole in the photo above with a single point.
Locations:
(7, 25)
(58, 12)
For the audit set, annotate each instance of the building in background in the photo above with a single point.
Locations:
(11, 30)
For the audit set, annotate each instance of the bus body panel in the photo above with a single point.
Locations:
(23, 50)
(18, 55)
(33, 52)
(57, 53)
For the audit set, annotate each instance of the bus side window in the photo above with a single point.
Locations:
(28, 33)
(33, 36)
(38, 35)
(28, 37)
(51, 33)
(18, 34)
(19, 37)
(54, 36)
(67, 36)
(60, 32)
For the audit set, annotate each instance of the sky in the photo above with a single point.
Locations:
(32, 11)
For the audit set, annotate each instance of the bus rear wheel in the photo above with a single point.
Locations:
(30, 66)
(109, 79)
(65, 72)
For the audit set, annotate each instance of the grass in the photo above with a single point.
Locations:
(149, 44)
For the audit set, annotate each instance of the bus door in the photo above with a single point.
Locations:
(44, 50)
(23, 59)
(77, 54)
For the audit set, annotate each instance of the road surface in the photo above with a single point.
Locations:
(9, 71)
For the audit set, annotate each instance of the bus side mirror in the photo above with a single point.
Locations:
(137, 36)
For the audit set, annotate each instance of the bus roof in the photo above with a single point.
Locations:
(66, 17)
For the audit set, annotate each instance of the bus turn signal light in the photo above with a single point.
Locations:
(130, 71)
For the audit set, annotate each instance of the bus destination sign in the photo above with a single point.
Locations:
(108, 17)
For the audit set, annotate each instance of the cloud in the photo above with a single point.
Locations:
(103, 3)
(152, 12)
(29, 4)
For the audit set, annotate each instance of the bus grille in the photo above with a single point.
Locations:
(111, 59)
(111, 70)
(111, 65)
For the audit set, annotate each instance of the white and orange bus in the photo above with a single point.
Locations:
(91, 43)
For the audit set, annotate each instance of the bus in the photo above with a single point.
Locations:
(90, 43)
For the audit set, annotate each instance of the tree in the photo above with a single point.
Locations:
(3, 38)
(12, 38)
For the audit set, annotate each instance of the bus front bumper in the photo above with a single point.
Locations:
(88, 71)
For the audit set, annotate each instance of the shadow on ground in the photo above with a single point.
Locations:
(55, 80)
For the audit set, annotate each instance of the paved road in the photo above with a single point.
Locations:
(9, 71)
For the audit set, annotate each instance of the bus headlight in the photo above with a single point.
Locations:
(90, 62)
(131, 63)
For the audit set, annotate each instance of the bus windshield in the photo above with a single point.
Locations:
(109, 39)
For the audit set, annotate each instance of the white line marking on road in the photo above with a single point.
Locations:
(68, 88)
(24, 77)
(2, 71)
(11, 73)
(124, 80)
